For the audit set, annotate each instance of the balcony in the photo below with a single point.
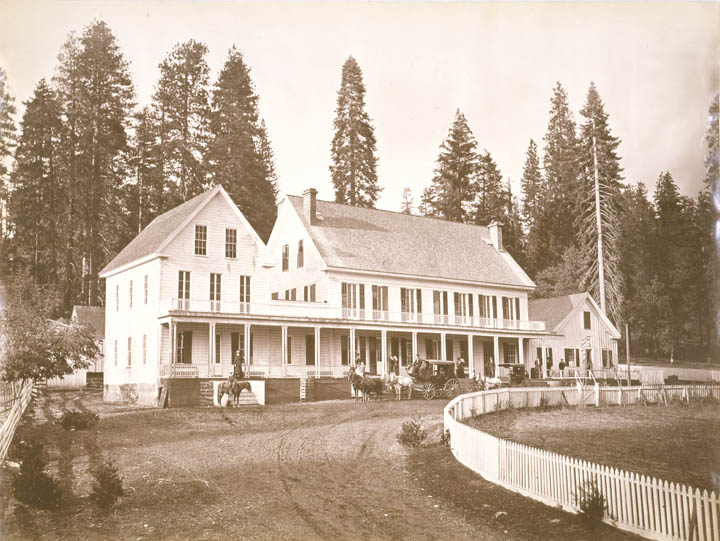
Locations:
(297, 309)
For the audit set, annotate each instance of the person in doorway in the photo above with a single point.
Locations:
(549, 364)
(561, 366)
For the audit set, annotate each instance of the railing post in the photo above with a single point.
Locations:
(597, 394)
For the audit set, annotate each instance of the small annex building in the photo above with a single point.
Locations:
(93, 317)
(581, 335)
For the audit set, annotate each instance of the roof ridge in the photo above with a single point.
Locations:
(399, 213)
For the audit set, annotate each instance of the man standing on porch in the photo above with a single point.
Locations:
(238, 362)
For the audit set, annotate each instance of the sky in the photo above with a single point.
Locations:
(656, 66)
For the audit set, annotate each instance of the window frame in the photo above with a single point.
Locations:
(201, 235)
(285, 257)
(300, 254)
(230, 243)
(587, 320)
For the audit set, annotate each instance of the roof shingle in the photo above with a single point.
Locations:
(91, 315)
(393, 242)
(553, 310)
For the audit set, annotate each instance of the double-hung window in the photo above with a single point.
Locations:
(349, 299)
(183, 290)
(309, 293)
(511, 311)
(300, 254)
(586, 320)
(244, 294)
(380, 302)
(487, 310)
(215, 291)
(440, 306)
(463, 308)
(410, 303)
(231, 243)
(285, 257)
(200, 240)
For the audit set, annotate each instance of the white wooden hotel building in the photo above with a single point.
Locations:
(333, 282)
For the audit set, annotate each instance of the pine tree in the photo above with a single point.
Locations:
(239, 154)
(145, 197)
(709, 217)
(182, 111)
(406, 204)
(454, 184)
(598, 192)
(354, 162)
(428, 202)
(492, 201)
(68, 82)
(712, 137)
(7, 145)
(513, 236)
(35, 203)
(562, 174)
(534, 219)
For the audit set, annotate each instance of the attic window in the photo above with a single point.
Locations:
(586, 319)
(200, 240)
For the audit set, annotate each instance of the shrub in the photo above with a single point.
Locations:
(412, 434)
(445, 438)
(107, 487)
(592, 505)
(32, 485)
(79, 420)
(544, 403)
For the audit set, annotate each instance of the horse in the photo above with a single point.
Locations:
(233, 387)
(368, 386)
(398, 383)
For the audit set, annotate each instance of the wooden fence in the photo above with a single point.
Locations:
(646, 506)
(7, 431)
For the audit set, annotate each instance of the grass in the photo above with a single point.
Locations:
(677, 443)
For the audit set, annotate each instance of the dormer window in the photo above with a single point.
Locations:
(200, 240)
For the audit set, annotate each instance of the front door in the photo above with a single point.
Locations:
(588, 359)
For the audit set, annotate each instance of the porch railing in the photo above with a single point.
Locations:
(179, 371)
(321, 310)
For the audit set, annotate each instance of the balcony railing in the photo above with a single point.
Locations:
(322, 310)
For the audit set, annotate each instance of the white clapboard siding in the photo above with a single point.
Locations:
(647, 506)
(76, 380)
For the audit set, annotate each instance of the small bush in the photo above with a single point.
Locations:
(544, 403)
(79, 420)
(412, 434)
(445, 438)
(107, 487)
(32, 485)
(592, 505)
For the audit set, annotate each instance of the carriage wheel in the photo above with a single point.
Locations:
(429, 391)
(452, 388)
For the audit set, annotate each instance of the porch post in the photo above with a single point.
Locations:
(471, 357)
(443, 346)
(173, 342)
(211, 347)
(246, 347)
(283, 349)
(414, 347)
(496, 354)
(352, 346)
(383, 350)
(317, 351)
(521, 353)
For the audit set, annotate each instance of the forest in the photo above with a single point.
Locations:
(86, 168)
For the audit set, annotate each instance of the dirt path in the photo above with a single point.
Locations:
(305, 471)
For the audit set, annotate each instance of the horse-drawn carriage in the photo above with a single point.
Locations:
(437, 378)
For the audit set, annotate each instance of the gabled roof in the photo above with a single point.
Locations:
(94, 316)
(556, 311)
(163, 229)
(392, 242)
(553, 310)
(156, 232)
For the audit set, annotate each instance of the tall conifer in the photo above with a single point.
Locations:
(354, 161)
(182, 111)
(454, 185)
(7, 145)
(239, 154)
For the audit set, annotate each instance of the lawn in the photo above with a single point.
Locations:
(678, 443)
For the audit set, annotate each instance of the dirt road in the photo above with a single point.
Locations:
(304, 471)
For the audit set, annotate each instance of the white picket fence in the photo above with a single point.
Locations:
(646, 506)
(7, 431)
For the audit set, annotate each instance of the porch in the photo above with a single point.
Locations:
(207, 349)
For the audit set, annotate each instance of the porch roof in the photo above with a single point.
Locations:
(392, 242)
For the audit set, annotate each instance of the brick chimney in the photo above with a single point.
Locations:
(310, 205)
(495, 229)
